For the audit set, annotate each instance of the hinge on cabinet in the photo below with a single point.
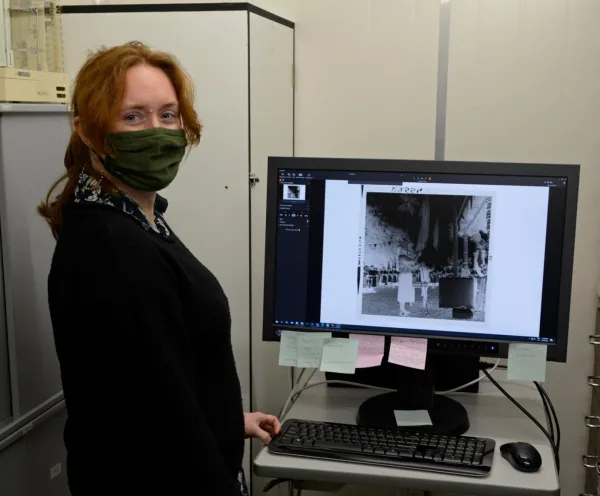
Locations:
(293, 75)
(253, 180)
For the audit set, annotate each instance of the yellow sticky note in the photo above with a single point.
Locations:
(339, 355)
(310, 348)
(288, 349)
(527, 362)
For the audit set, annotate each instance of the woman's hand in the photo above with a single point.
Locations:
(261, 426)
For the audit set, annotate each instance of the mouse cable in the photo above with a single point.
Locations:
(531, 417)
(545, 395)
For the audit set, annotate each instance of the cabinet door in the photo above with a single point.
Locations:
(5, 397)
(33, 139)
(272, 134)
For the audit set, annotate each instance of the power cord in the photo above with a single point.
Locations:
(297, 391)
(549, 406)
(549, 411)
(531, 417)
(475, 381)
(549, 419)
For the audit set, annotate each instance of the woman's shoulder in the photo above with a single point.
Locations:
(103, 236)
(93, 223)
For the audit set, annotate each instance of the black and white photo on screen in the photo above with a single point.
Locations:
(425, 256)
(294, 192)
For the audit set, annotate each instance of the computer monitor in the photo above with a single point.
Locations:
(472, 256)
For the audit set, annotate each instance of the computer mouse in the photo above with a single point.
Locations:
(522, 456)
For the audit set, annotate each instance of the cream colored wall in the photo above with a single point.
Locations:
(523, 86)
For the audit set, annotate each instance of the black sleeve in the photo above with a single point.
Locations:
(135, 425)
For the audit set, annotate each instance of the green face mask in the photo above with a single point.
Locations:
(146, 160)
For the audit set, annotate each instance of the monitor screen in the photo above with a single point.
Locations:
(417, 252)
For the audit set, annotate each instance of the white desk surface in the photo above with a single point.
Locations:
(490, 413)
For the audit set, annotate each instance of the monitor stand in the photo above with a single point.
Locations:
(448, 416)
(415, 390)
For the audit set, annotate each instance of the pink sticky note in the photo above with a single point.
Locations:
(370, 350)
(409, 352)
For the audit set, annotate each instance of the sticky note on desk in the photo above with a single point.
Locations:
(526, 362)
(339, 355)
(370, 350)
(310, 348)
(288, 349)
(412, 418)
(408, 352)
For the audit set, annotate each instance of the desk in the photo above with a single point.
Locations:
(490, 414)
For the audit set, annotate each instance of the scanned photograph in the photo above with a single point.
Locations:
(426, 256)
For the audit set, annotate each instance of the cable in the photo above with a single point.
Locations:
(553, 411)
(297, 381)
(475, 381)
(298, 391)
(531, 417)
(549, 419)
(293, 397)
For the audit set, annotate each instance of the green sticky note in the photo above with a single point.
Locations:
(339, 355)
(288, 349)
(310, 348)
(527, 362)
(412, 418)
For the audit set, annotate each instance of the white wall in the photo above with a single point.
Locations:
(283, 8)
(523, 86)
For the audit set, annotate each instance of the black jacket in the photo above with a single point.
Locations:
(142, 332)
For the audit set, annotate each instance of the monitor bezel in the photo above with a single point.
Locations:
(557, 352)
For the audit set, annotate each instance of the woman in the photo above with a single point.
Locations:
(142, 328)
(406, 290)
(425, 280)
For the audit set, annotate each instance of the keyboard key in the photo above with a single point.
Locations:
(406, 453)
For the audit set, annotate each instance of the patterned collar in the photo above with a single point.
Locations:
(88, 191)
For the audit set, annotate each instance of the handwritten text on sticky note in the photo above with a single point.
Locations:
(370, 350)
(526, 362)
(310, 348)
(408, 352)
(339, 355)
(288, 349)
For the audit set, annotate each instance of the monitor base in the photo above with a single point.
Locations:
(448, 416)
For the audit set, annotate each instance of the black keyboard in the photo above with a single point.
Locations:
(458, 455)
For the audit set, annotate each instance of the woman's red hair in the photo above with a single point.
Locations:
(98, 91)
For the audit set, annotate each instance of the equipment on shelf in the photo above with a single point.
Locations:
(31, 52)
(397, 448)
